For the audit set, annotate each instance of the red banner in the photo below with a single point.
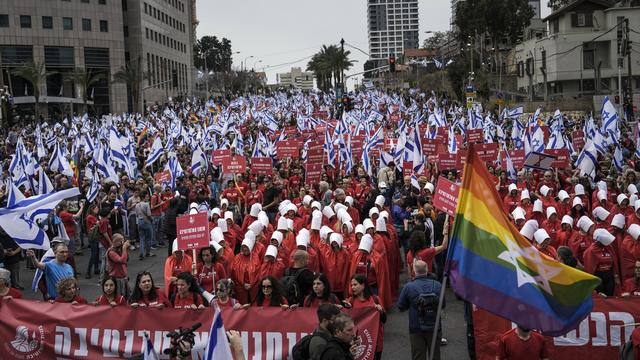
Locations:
(446, 196)
(43, 331)
(475, 136)
(234, 165)
(577, 138)
(598, 336)
(562, 158)
(192, 231)
(288, 148)
(357, 146)
(447, 161)
(262, 165)
(487, 152)
(218, 155)
(162, 177)
(430, 146)
(313, 174)
(407, 168)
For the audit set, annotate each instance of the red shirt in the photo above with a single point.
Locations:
(231, 194)
(119, 300)
(161, 298)
(294, 181)
(117, 263)
(14, 293)
(253, 197)
(105, 228)
(155, 200)
(231, 302)
(598, 258)
(79, 299)
(632, 286)
(512, 347)
(190, 299)
(426, 255)
(68, 222)
(207, 274)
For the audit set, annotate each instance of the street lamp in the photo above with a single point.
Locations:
(256, 63)
(243, 64)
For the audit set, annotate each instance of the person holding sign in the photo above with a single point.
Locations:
(175, 264)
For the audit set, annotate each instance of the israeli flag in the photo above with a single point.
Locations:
(588, 160)
(14, 195)
(94, 189)
(44, 184)
(155, 152)
(329, 149)
(453, 143)
(218, 345)
(198, 162)
(59, 163)
(20, 220)
(148, 352)
(515, 113)
(48, 256)
(610, 121)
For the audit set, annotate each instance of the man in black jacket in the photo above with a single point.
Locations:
(342, 345)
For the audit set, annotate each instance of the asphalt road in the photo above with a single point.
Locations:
(396, 337)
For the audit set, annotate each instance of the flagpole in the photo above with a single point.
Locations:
(435, 336)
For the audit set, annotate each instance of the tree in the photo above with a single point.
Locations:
(436, 39)
(213, 54)
(502, 20)
(85, 80)
(132, 75)
(328, 66)
(35, 74)
(557, 4)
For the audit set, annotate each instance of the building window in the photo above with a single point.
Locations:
(588, 59)
(125, 7)
(146, 32)
(86, 24)
(582, 19)
(125, 30)
(47, 22)
(146, 8)
(104, 26)
(85, 1)
(102, 2)
(67, 23)
(25, 21)
(4, 20)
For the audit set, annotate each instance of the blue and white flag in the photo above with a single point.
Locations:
(20, 220)
(94, 189)
(218, 345)
(588, 160)
(59, 163)
(618, 159)
(610, 121)
(149, 352)
(155, 152)
(515, 113)
(44, 184)
(329, 149)
(48, 256)
(198, 162)
(14, 195)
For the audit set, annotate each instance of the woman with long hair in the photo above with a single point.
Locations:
(210, 269)
(321, 293)
(363, 297)
(187, 294)
(223, 298)
(270, 294)
(146, 294)
(110, 293)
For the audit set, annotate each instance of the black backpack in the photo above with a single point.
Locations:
(300, 350)
(290, 287)
(427, 304)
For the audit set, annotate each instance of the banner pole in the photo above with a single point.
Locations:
(436, 328)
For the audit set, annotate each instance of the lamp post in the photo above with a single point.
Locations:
(243, 64)
(256, 63)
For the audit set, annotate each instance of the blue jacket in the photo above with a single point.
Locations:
(409, 297)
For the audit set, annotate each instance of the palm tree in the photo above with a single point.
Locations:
(132, 75)
(329, 64)
(35, 74)
(85, 80)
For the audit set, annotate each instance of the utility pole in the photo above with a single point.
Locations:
(342, 69)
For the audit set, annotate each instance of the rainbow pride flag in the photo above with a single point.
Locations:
(142, 137)
(494, 267)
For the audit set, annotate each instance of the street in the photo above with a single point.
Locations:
(396, 339)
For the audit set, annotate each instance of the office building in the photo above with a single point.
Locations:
(296, 78)
(393, 27)
(100, 36)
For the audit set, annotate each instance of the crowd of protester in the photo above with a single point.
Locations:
(278, 240)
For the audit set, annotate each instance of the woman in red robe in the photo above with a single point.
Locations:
(244, 272)
(335, 262)
(272, 264)
(365, 262)
(600, 260)
(175, 264)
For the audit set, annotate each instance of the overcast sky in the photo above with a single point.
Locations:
(286, 33)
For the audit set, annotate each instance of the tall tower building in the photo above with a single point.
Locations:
(393, 27)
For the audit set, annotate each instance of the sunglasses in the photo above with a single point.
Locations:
(267, 287)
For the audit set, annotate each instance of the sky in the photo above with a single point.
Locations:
(279, 34)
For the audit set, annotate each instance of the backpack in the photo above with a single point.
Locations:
(94, 235)
(290, 286)
(300, 350)
(427, 305)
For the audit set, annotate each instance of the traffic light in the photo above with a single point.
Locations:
(174, 78)
(392, 63)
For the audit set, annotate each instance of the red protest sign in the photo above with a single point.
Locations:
(315, 155)
(313, 174)
(430, 146)
(288, 148)
(487, 152)
(447, 161)
(475, 136)
(446, 196)
(321, 114)
(262, 165)
(577, 139)
(562, 157)
(234, 165)
(192, 231)
(407, 168)
(162, 177)
(218, 155)
(357, 146)
(308, 133)
(291, 131)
